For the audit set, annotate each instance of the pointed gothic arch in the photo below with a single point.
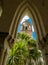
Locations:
(28, 13)
(35, 17)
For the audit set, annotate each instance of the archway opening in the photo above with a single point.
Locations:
(17, 25)
(25, 50)
(26, 25)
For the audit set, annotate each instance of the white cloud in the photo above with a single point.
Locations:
(25, 18)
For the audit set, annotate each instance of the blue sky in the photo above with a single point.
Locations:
(30, 21)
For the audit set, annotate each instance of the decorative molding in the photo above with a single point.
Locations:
(37, 18)
(14, 17)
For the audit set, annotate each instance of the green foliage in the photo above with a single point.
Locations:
(31, 42)
(34, 53)
(21, 50)
(18, 53)
(27, 38)
(23, 36)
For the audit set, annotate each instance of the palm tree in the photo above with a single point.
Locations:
(24, 48)
(18, 53)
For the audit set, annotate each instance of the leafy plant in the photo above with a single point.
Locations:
(23, 36)
(18, 53)
(24, 48)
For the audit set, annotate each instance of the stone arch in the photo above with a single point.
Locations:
(37, 20)
(28, 13)
(35, 15)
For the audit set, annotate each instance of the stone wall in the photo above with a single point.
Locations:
(10, 6)
(2, 37)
